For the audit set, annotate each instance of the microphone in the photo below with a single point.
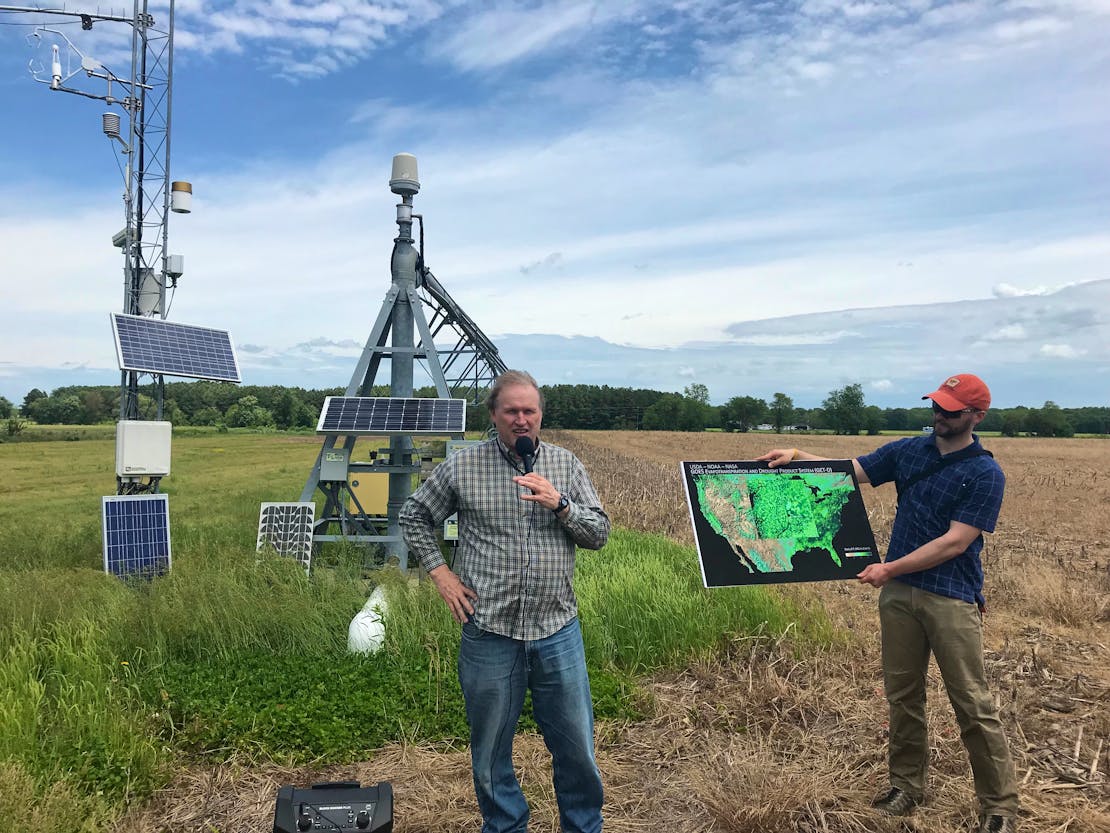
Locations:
(525, 448)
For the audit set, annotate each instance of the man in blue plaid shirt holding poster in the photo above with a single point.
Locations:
(523, 508)
(949, 493)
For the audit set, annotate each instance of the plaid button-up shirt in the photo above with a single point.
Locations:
(516, 555)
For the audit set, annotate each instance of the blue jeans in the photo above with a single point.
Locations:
(494, 672)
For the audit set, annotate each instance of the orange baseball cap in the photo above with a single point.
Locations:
(964, 390)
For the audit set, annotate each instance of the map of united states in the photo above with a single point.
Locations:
(768, 518)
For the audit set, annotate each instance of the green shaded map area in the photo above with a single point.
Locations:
(768, 517)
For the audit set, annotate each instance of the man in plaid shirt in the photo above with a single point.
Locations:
(511, 588)
(949, 493)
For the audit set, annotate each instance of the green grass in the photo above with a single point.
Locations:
(105, 685)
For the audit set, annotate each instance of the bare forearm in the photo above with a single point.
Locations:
(928, 555)
(953, 542)
(781, 456)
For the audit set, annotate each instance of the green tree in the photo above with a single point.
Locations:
(57, 410)
(844, 409)
(171, 412)
(247, 413)
(1049, 421)
(206, 416)
(286, 409)
(781, 410)
(674, 412)
(742, 412)
(94, 406)
(1091, 420)
(898, 419)
(1013, 422)
(698, 392)
(30, 399)
(873, 419)
(6, 408)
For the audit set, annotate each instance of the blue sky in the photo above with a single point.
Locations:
(684, 183)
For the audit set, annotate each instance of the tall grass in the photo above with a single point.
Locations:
(73, 725)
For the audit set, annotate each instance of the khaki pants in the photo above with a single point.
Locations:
(915, 622)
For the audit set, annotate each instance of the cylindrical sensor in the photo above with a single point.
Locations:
(181, 197)
(405, 180)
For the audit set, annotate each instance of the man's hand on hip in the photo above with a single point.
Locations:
(456, 594)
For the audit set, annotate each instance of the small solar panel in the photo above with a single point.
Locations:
(391, 415)
(287, 527)
(136, 535)
(152, 345)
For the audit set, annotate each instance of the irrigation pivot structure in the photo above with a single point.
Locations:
(403, 335)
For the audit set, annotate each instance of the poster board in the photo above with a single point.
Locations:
(803, 521)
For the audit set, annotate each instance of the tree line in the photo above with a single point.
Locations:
(599, 407)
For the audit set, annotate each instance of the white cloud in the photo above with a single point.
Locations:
(792, 339)
(1031, 28)
(1005, 290)
(1008, 332)
(1060, 351)
(501, 35)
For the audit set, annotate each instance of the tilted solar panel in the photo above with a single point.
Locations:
(136, 535)
(152, 345)
(354, 415)
(287, 527)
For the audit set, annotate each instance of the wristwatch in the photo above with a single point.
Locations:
(563, 504)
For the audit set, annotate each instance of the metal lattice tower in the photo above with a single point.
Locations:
(403, 334)
(145, 98)
(147, 197)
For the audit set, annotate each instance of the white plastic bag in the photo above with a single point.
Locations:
(367, 630)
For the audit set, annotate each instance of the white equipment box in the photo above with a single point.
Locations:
(142, 448)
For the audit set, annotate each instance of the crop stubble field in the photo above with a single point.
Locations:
(763, 739)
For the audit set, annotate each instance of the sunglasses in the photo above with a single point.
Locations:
(937, 409)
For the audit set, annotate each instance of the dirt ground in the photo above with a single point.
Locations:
(762, 739)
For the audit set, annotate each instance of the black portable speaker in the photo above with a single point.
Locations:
(336, 806)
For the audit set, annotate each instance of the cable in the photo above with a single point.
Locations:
(41, 23)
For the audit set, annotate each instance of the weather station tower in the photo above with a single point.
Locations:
(135, 520)
(416, 311)
(145, 342)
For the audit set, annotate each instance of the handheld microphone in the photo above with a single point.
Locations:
(525, 448)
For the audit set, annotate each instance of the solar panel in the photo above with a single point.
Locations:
(152, 345)
(354, 415)
(136, 535)
(287, 527)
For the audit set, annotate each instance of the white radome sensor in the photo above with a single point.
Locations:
(405, 181)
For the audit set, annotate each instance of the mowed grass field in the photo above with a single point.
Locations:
(764, 732)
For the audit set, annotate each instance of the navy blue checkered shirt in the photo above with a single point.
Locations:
(969, 491)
